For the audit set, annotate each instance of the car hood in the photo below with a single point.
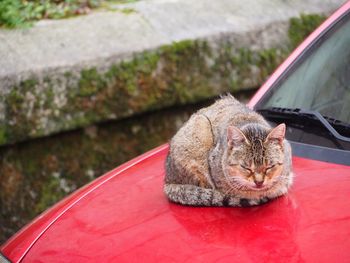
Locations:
(127, 218)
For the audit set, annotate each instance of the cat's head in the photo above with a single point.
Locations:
(255, 156)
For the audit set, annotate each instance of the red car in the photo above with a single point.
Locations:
(124, 216)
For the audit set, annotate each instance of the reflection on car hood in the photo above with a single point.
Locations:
(128, 219)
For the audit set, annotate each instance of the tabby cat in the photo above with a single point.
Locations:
(227, 155)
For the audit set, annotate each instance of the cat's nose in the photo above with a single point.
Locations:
(259, 179)
(259, 183)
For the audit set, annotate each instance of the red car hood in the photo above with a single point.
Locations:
(125, 217)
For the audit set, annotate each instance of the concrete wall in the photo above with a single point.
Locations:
(67, 74)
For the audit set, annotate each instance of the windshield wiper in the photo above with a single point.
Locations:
(307, 114)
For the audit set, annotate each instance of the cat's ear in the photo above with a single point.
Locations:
(235, 137)
(277, 134)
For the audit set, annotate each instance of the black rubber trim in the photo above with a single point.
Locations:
(296, 113)
(320, 153)
(326, 124)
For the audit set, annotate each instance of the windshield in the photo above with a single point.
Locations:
(322, 81)
(319, 81)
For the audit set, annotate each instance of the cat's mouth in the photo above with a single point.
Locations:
(258, 188)
(263, 187)
(252, 187)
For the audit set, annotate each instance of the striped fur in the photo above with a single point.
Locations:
(204, 169)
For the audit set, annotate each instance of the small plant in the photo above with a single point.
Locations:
(10, 13)
(21, 13)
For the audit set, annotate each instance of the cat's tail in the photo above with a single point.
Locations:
(192, 195)
(186, 194)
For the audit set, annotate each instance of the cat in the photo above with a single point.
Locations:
(228, 155)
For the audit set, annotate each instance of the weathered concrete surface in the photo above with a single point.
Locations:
(65, 74)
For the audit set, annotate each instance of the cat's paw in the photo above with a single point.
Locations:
(244, 202)
(217, 199)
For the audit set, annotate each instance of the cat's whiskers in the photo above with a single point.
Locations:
(228, 191)
(236, 184)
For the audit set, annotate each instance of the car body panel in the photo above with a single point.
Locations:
(124, 215)
(129, 218)
(19, 244)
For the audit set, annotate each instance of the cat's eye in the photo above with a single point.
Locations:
(246, 168)
(268, 169)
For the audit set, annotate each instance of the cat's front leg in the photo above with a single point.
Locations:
(193, 195)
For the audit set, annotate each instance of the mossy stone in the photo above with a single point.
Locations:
(180, 73)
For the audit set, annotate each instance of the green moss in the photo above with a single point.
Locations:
(18, 108)
(128, 10)
(90, 82)
(67, 74)
(50, 193)
(3, 136)
(15, 99)
(186, 70)
(301, 27)
(148, 61)
(137, 85)
(269, 59)
(239, 68)
(49, 97)
(178, 48)
(28, 85)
